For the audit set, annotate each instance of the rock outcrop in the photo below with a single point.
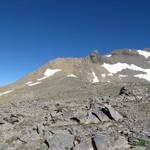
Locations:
(95, 57)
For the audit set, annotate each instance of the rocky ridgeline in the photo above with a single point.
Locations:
(121, 122)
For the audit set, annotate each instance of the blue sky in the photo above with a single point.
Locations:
(33, 32)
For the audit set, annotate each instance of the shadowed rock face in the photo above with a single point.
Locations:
(95, 57)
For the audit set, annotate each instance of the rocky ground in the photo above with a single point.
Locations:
(120, 122)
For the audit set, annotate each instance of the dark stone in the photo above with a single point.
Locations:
(75, 119)
(123, 91)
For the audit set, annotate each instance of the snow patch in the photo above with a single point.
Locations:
(123, 76)
(144, 53)
(48, 73)
(114, 68)
(72, 75)
(6, 92)
(103, 75)
(32, 84)
(95, 79)
(143, 76)
(108, 55)
(110, 75)
(28, 82)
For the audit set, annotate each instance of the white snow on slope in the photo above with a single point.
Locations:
(103, 75)
(6, 92)
(114, 68)
(72, 75)
(48, 73)
(108, 55)
(122, 75)
(28, 82)
(95, 79)
(32, 84)
(143, 76)
(110, 75)
(144, 53)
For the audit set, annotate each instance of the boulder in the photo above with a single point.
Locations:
(84, 146)
(105, 142)
(60, 141)
(112, 113)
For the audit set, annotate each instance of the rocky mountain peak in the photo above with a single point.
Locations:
(96, 102)
(95, 57)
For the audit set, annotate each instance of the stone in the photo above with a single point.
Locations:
(60, 141)
(102, 142)
(113, 113)
(90, 119)
(83, 146)
(102, 117)
(121, 143)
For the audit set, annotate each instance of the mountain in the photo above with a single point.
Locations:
(96, 102)
(120, 66)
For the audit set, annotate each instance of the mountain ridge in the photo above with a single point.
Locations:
(123, 65)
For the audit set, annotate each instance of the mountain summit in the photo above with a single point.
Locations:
(92, 103)
(119, 66)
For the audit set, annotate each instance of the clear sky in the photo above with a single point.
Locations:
(33, 32)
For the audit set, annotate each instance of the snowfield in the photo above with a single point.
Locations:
(115, 68)
(6, 92)
(108, 55)
(32, 84)
(95, 79)
(103, 75)
(72, 75)
(144, 53)
(48, 73)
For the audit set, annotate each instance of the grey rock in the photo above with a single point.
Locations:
(45, 125)
(114, 114)
(121, 143)
(60, 141)
(84, 146)
(138, 148)
(89, 119)
(105, 142)
(102, 142)
(102, 117)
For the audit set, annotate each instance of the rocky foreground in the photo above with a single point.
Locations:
(121, 122)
